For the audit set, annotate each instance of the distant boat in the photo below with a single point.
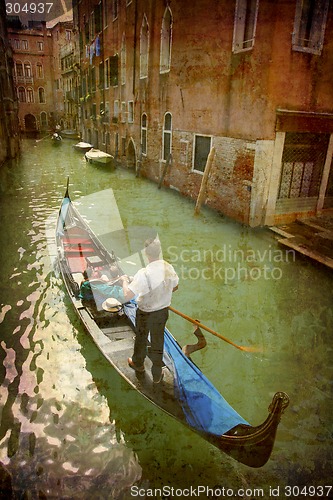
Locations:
(69, 134)
(82, 146)
(97, 156)
(56, 139)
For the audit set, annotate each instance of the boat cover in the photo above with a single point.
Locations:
(204, 407)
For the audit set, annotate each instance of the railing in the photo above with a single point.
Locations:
(23, 79)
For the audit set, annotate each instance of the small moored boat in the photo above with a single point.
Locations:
(69, 134)
(186, 394)
(82, 146)
(98, 157)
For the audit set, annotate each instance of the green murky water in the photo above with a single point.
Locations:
(71, 428)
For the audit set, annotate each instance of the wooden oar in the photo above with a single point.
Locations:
(42, 139)
(200, 325)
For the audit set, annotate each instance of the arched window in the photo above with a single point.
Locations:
(123, 61)
(41, 95)
(144, 133)
(40, 71)
(144, 48)
(166, 38)
(19, 69)
(43, 120)
(21, 94)
(30, 94)
(27, 70)
(167, 136)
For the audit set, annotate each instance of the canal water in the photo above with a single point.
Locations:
(71, 428)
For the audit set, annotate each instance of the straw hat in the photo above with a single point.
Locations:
(111, 305)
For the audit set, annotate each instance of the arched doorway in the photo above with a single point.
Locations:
(131, 155)
(30, 125)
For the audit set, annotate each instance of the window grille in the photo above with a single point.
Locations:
(303, 161)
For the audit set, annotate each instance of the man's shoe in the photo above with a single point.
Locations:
(132, 365)
(159, 380)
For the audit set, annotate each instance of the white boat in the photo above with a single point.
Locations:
(97, 156)
(82, 146)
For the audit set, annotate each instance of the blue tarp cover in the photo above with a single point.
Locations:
(204, 407)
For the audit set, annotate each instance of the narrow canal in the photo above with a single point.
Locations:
(71, 428)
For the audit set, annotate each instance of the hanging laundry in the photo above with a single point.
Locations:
(98, 46)
(92, 51)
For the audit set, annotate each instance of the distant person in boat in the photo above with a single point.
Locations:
(99, 288)
(153, 286)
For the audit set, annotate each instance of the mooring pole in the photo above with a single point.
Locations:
(165, 169)
(202, 192)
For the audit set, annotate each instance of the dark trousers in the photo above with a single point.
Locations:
(153, 322)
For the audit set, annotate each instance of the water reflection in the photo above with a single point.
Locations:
(69, 425)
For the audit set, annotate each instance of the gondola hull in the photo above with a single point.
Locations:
(113, 334)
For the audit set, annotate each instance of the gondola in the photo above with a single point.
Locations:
(56, 139)
(185, 393)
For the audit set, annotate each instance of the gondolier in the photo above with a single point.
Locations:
(153, 286)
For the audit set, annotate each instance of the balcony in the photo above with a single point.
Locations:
(25, 80)
(66, 50)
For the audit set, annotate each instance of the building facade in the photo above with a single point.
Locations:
(65, 72)
(9, 129)
(33, 76)
(162, 82)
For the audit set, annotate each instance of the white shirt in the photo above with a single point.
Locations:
(153, 285)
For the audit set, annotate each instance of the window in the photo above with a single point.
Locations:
(166, 33)
(40, 46)
(309, 26)
(202, 146)
(167, 136)
(115, 9)
(40, 72)
(43, 120)
(123, 61)
(92, 25)
(106, 73)
(130, 111)
(24, 44)
(41, 95)
(116, 144)
(16, 43)
(101, 75)
(123, 112)
(105, 13)
(30, 95)
(245, 24)
(98, 18)
(303, 162)
(144, 43)
(114, 70)
(27, 70)
(144, 134)
(115, 111)
(19, 69)
(93, 78)
(21, 94)
(68, 34)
